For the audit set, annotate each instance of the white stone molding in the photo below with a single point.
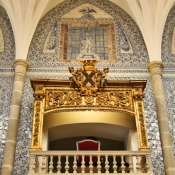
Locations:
(24, 17)
(151, 17)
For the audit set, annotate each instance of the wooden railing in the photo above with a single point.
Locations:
(49, 162)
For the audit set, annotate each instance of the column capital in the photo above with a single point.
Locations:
(21, 66)
(155, 67)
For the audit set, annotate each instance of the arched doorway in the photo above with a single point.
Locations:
(109, 125)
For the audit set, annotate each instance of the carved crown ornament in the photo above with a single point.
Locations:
(89, 80)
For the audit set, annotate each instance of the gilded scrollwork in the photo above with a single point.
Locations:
(39, 96)
(39, 88)
(120, 99)
(114, 99)
(89, 100)
(62, 98)
(138, 93)
(36, 124)
(39, 92)
(144, 142)
(87, 90)
(89, 80)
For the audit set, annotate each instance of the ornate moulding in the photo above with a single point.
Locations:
(88, 89)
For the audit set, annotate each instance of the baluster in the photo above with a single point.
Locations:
(51, 165)
(43, 164)
(114, 164)
(127, 169)
(138, 167)
(83, 165)
(98, 164)
(59, 165)
(122, 164)
(75, 165)
(67, 165)
(148, 164)
(90, 165)
(106, 164)
(143, 164)
(118, 168)
(32, 166)
(130, 164)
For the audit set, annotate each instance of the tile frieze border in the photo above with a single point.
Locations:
(64, 72)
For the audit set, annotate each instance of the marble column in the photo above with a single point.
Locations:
(11, 139)
(155, 69)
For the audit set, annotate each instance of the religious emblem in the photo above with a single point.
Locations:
(89, 80)
(87, 11)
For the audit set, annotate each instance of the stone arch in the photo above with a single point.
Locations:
(168, 40)
(138, 58)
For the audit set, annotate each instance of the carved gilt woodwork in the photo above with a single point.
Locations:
(141, 126)
(120, 98)
(87, 81)
(37, 125)
(88, 92)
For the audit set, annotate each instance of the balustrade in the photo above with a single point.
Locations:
(51, 162)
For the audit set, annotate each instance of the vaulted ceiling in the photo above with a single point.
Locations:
(52, 3)
(150, 16)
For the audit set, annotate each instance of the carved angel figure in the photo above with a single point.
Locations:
(77, 78)
(103, 80)
(74, 79)
(97, 78)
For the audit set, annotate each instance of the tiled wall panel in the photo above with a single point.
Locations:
(122, 21)
(46, 65)
(6, 86)
(8, 55)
